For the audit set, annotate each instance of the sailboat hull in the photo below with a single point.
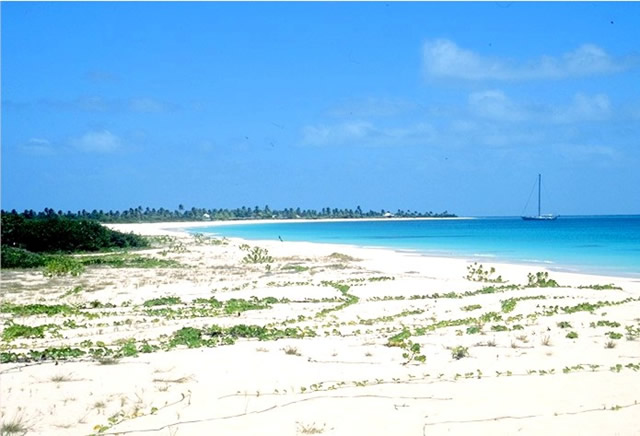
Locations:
(540, 218)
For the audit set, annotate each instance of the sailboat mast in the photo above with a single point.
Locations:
(539, 185)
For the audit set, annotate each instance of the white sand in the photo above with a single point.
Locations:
(344, 381)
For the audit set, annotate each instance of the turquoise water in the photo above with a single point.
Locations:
(602, 244)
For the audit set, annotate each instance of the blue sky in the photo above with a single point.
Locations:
(420, 106)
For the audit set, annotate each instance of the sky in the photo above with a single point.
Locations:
(413, 106)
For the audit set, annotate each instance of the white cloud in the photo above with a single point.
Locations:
(444, 58)
(582, 108)
(588, 59)
(494, 104)
(366, 133)
(38, 146)
(101, 141)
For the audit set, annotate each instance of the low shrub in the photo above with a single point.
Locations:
(541, 280)
(11, 257)
(62, 265)
(459, 352)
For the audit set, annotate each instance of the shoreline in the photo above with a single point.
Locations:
(176, 228)
(183, 228)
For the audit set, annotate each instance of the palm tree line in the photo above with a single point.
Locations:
(140, 214)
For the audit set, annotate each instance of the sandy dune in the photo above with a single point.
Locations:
(479, 357)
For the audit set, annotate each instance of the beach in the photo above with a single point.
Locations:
(227, 336)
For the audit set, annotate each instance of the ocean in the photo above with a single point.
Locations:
(589, 244)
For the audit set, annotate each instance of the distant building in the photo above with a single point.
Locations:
(206, 217)
(388, 215)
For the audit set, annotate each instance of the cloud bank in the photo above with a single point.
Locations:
(443, 58)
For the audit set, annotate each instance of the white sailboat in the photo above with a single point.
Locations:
(540, 217)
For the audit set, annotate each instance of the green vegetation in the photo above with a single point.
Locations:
(604, 323)
(19, 310)
(563, 324)
(295, 268)
(633, 333)
(342, 257)
(475, 329)
(189, 336)
(436, 295)
(209, 301)
(25, 237)
(412, 350)
(20, 258)
(235, 305)
(201, 239)
(74, 291)
(508, 305)
(140, 214)
(348, 300)
(572, 335)
(125, 260)
(477, 273)
(601, 287)
(163, 301)
(256, 255)
(58, 234)
(471, 307)
(62, 265)
(389, 318)
(14, 331)
(62, 353)
(211, 309)
(459, 352)
(541, 280)
(399, 339)
(14, 427)
(413, 353)
(215, 335)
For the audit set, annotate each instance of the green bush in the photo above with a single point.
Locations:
(18, 258)
(56, 234)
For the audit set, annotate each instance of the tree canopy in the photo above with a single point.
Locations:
(140, 214)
